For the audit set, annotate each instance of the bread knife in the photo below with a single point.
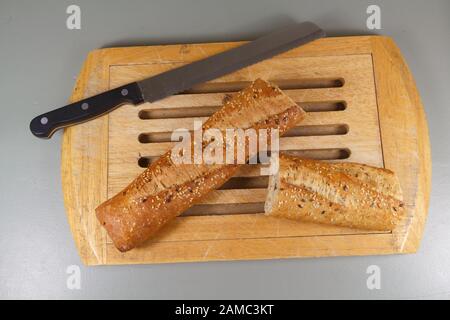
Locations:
(176, 80)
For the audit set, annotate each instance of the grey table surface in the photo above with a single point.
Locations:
(40, 59)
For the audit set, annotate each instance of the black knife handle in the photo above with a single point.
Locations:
(46, 124)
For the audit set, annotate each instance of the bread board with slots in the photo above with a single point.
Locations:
(362, 106)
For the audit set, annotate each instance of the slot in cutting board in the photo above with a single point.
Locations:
(362, 106)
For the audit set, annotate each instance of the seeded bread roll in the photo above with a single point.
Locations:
(345, 194)
(165, 189)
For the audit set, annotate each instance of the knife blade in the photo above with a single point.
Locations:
(176, 80)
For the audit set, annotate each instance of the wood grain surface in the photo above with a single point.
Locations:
(362, 106)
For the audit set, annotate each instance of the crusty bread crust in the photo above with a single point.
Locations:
(345, 194)
(165, 189)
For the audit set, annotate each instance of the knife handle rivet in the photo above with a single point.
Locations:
(124, 92)
(44, 120)
(84, 106)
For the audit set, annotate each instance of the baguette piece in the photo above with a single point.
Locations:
(166, 189)
(345, 194)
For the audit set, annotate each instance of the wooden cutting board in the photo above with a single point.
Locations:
(362, 106)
